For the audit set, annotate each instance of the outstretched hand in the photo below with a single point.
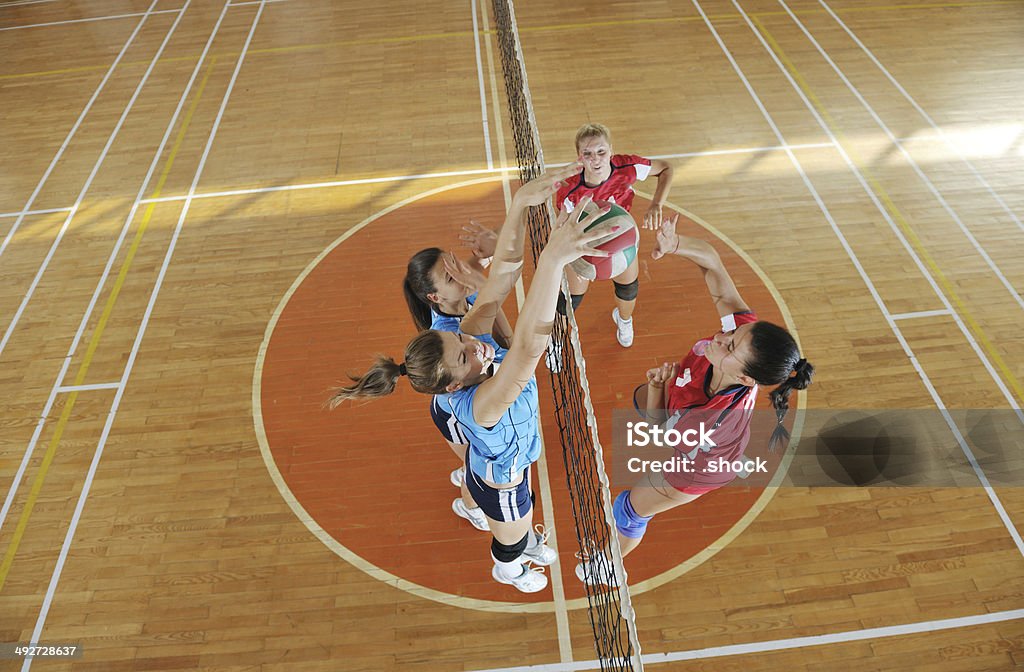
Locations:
(539, 189)
(653, 218)
(570, 239)
(469, 276)
(668, 239)
(659, 375)
(479, 239)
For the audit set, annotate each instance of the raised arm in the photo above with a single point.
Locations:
(507, 264)
(664, 172)
(569, 241)
(720, 284)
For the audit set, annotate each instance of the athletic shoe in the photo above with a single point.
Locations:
(530, 581)
(553, 357)
(474, 516)
(624, 329)
(596, 570)
(542, 554)
(458, 476)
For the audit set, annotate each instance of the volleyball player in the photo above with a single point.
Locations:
(715, 383)
(607, 176)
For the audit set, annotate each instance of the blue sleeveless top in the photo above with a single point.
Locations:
(442, 322)
(499, 453)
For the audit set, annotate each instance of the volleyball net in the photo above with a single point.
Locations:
(610, 610)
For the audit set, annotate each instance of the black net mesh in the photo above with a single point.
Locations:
(610, 612)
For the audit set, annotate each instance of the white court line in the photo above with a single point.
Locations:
(996, 503)
(463, 173)
(24, 2)
(925, 116)
(788, 643)
(88, 182)
(480, 81)
(544, 479)
(90, 19)
(20, 474)
(94, 465)
(917, 169)
(26, 213)
(88, 388)
(74, 128)
(918, 314)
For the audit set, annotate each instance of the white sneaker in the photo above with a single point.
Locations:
(596, 570)
(624, 331)
(458, 476)
(553, 357)
(530, 581)
(474, 516)
(542, 554)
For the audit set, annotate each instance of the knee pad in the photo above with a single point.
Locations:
(627, 521)
(575, 299)
(508, 553)
(628, 291)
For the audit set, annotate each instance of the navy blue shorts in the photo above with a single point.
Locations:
(506, 504)
(446, 423)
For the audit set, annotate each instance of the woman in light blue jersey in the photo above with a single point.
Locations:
(440, 289)
(498, 409)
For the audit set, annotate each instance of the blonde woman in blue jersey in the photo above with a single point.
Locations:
(498, 410)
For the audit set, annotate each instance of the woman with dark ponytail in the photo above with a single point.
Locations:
(715, 386)
(498, 409)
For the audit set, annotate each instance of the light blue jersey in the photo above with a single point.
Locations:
(500, 453)
(442, 322)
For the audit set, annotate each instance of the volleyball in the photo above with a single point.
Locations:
(622, 244)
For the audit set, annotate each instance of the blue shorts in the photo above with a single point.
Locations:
(504, 505)
(447, 423)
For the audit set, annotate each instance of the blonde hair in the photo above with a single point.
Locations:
(424, 365)
(588, 131)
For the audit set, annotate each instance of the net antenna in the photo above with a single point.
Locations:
(610, 610)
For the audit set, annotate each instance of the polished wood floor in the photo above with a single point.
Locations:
(204, 211)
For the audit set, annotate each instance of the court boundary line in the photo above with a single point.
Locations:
(919, 314)
(910, 159)
(924, 115)
(9, 331)
(109, 17)
(480, 84)
(908, 351)
(918, 627)
(74, 128)
(136, 345)
(461, 173)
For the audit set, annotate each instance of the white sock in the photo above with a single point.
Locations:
(509, 570)
(532, 541)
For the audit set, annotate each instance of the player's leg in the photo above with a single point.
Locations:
(509, 511)
(455, 437)
(627, 285)
(634, 508)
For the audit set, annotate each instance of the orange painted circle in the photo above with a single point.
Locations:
(374, 476)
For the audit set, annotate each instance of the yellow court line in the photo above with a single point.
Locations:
(535, 29)
(108, 308)
(898, 217)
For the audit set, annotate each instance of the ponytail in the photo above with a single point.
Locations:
(379, 381)
(777, 361)
(418, 308)
(418, 284)
(424, 365)
(798, 379)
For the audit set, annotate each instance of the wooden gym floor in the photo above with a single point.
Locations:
(204, 211)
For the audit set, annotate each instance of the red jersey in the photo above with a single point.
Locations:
(727, 412)
(618, 188)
